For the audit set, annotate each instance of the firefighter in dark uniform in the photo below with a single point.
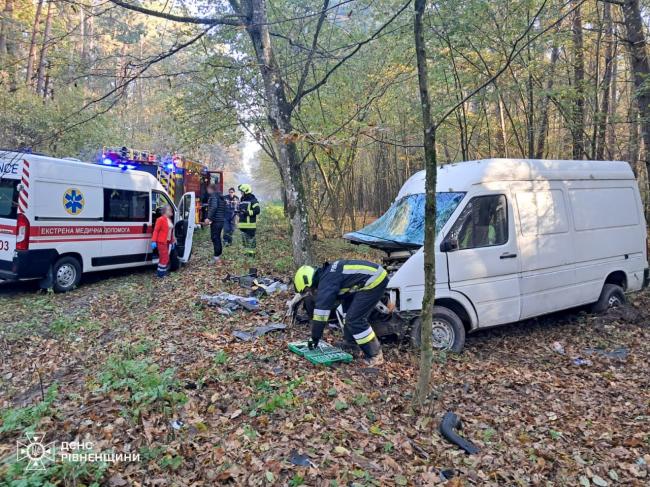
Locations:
(358, 285)
(249, 208)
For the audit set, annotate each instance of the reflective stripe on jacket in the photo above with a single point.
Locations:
(249, 208)
(344, 277)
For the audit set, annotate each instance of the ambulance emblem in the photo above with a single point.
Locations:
(73, 201)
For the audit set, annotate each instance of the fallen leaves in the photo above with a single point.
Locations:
(538, 419)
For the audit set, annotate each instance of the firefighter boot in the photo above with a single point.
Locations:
(373, 353)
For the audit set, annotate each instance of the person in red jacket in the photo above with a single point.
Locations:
(163, 239)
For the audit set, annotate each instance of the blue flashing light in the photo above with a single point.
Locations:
(130, 166)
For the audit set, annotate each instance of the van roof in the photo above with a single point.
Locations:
(461, 176)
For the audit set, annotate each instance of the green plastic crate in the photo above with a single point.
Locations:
(325, 354)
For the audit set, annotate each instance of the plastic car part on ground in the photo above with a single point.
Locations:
(258, 332)
(620, 353)
(300, 460)
(323, 354)
(258, 285)
(230, 302)
(449, 423)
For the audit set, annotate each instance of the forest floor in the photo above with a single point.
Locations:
(135, 365)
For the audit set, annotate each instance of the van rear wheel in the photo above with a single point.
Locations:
(447, 334)
(66, 274)
(612, 296)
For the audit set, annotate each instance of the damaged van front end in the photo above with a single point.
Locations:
(400, 234)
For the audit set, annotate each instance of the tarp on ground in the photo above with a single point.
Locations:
(402, 226)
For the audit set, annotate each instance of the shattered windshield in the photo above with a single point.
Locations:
(404, 221)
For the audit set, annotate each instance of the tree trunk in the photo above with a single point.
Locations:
(31, 57)
(5, 27)
(503, 137)
(611, 142)
(8, 45)
(279, 113)
(426, 354)
(578, 129)
(607, 81)
(42, 60)
(640, 70)
(543, 123)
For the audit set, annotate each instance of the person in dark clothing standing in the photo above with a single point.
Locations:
(249, 208)
(215, 218)
(358, 285)
(232, 205)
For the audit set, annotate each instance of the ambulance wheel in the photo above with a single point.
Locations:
(66, 274)
(448, 333)
(612, 296)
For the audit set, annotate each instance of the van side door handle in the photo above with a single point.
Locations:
(508, 255)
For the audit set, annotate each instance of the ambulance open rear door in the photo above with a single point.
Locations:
(184, 226)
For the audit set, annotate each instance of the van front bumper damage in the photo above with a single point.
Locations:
(28, 264)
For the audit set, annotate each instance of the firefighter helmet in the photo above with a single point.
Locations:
(245, 188)
(304, 278)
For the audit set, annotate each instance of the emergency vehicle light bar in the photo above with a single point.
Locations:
(112, 155)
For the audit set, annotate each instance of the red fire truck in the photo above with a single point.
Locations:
(176, 173)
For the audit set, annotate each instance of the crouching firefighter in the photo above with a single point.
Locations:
(358, 285)
(249, 208)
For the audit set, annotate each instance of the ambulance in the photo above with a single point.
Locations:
(61, 218)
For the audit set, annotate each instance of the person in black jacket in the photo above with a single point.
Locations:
(358, 285)
(232, 207)
(249, 208)
(215, 218)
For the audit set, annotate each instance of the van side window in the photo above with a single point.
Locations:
(8, 198)
(482, 223)
(126, 206)
(158, 202)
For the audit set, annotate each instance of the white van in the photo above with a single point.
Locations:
(516, 239)
(60, 218)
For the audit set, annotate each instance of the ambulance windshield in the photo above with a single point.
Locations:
(403, 224)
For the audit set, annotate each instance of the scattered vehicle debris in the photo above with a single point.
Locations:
(620, 353)
(558, 348)
(447, 474)
(449, 423)
(579, 361)
(258, 285)
(258, 332)
(300, 460)
(230, 302)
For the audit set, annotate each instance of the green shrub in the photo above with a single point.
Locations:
(146, 385)
(27, 418)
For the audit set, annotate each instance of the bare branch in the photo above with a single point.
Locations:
(310, 55)
(514, 52)
(349, 55)
(231, 19)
